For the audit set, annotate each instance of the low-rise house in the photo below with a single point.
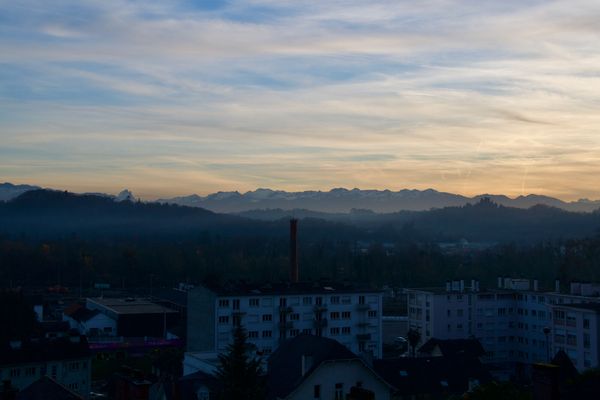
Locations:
(91, 323)
(311, 367)
(431, 377)
(65, 360)
(46, 388)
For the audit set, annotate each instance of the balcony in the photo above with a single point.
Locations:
(362, 337)
(320, 308)
(284, 325)
(320, 323)
(285, 309)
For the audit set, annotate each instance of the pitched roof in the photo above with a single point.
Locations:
(83, 314)
(431, 375)
(567, 369)
(285, 364)
(46, 388)
(454, 347)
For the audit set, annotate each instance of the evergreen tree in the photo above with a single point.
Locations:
(239, 373)
(414, 337)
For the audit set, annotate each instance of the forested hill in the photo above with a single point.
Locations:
(40, 213)
(49, 213)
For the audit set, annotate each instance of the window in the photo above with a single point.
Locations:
(346, 315)
(236, 304)
(223, 303)
(586, 323)
(586, 340)
(295, 317)
(307, 301)
(334, 315)
(317, 392)
(373, 313)
(15, 372)
(449, 313)
(459, 313)
(334, 331)
(319, 301)
(335, 299)
(29, 371)
(307, 331)
(267, 334)
(346, 330)
(346, 300)
(267, 317)
(252, 334)
(294, 332)
(223, 319)
(339, 391)
(254, 302)
(361, 299)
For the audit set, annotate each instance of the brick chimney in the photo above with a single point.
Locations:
(293, 250)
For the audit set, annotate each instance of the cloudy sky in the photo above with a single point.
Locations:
(179, 97)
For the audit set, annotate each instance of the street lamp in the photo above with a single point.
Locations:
(546, 331)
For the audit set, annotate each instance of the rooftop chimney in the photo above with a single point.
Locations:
(293, 250)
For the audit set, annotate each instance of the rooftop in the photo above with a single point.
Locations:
(131, 305)
(287, 288)
(46, 388)
(582, 306)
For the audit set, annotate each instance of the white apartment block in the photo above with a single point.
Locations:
(509, 321)
(273, 313)
(576, 331)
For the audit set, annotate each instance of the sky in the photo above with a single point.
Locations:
(177, 97)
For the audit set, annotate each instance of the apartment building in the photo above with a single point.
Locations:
(513, 322)
(274, 313)
(576, 331)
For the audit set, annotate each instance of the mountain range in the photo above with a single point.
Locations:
(339, 200)
(342, 200)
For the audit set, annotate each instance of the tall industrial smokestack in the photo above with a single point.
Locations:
(293, 250)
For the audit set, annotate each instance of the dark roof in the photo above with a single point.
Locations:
(45, 350)
(130, 305)
(431, 375)
(454, 347)
(46, 388)
(83, 314)
(582, 306)
(285, 364)
(286, 288)
(566, 368)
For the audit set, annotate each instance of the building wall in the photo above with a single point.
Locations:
(268, 321)
(74, 374)
(508, 323)
(577, 332)
(201, 323)
(348, 373)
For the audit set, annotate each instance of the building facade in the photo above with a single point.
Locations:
(65, 360)
(513, 322)
(272, 314)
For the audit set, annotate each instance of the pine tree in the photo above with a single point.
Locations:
(239, 373)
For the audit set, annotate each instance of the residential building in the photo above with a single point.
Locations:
(576, 331)
(45, 388)
(513, 321)
(91, 323)
(273, 313)
(312, 367)
(65, 360)
(134, 317)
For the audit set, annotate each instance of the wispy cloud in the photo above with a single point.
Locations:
(172, 98)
